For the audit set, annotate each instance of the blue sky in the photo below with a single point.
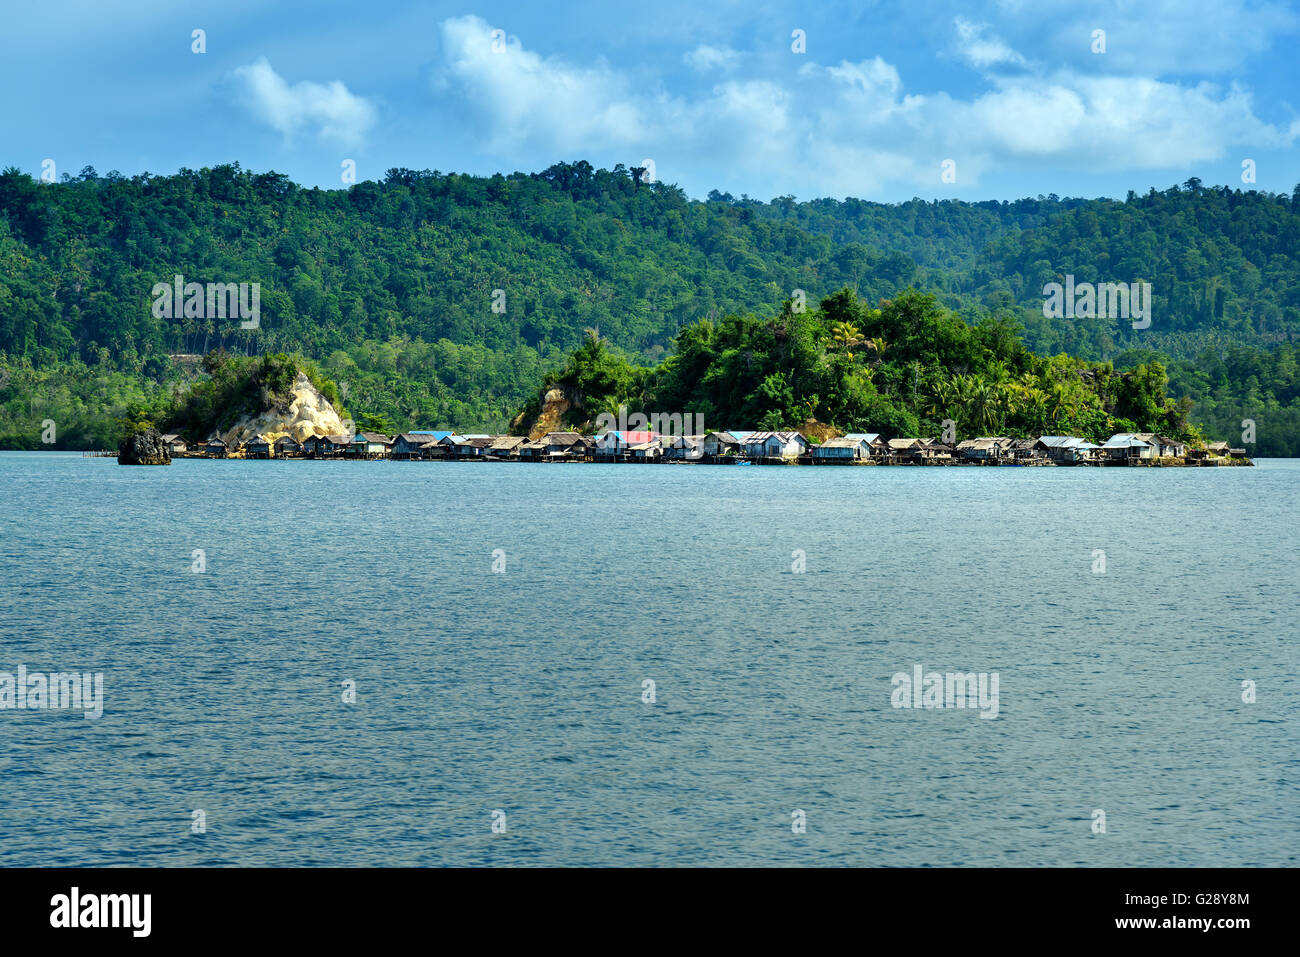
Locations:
(714, 93)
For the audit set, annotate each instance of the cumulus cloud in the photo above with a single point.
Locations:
(1163, 37)
(327, 110)
(981, 49)
(705, 58)
(850, 128)
(518, 95)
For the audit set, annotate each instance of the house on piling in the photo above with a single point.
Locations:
(769, 446)
(984, 449)
(645, 451)
(257, 447)
(564, 446)
(994, 448)
(1065, 449)
(937, 453)
(614, 445)
(905, 451)
(477, 446)
(505, 447)
(1126, 447)
(845, 449)
(918, 452)
(1025, 451)
(465, 446)
(407, 445)
(721, 445)
(175, 444)
(685, 448)
(532, 451)
(555, 447)
(287, 447)
(873, 439)
(1162, 447)
(371, 445)
(323, 446)
(214, 448)
(338, 445)
(414, 445)
(1214, 451)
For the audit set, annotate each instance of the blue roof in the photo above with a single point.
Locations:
(436, 436)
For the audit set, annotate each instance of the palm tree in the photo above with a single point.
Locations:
(1010, 402)
(943, 396)
(1058, 399)
(846, 335)
(983, 404)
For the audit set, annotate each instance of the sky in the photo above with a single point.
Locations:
(880, 101)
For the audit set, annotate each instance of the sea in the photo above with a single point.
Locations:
(438, 663)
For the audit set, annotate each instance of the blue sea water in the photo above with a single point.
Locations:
(522, 690)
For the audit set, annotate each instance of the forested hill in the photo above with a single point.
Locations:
(442, 299)
(1224, 264)
(901, 370)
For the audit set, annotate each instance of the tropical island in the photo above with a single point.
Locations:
(442, 301)
(842, 382)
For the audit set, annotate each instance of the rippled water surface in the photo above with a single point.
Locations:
(523, 691)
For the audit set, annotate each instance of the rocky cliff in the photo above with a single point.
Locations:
(144, 448)
(308, 414)
(550, 416)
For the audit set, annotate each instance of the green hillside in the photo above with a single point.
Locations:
(901, 370)
(389, 286)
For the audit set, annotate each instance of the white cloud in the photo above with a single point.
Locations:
(847, 129)
(520, 96)
(1157, 38)
(1115, 122)
(328, 110)
(705, 58)
(982, 50)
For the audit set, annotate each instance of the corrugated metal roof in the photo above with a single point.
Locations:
(1060, 441)
(756, 438)
(1125, 440)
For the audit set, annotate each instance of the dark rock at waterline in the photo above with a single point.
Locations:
(144, 448)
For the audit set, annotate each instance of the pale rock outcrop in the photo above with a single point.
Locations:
(554, 405)
(309, 414)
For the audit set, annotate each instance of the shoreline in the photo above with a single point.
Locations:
(1155, 463)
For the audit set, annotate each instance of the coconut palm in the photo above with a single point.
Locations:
(878, 347)
(846, 335)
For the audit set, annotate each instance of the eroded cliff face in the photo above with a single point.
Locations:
(554, 405)
(309, 414)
